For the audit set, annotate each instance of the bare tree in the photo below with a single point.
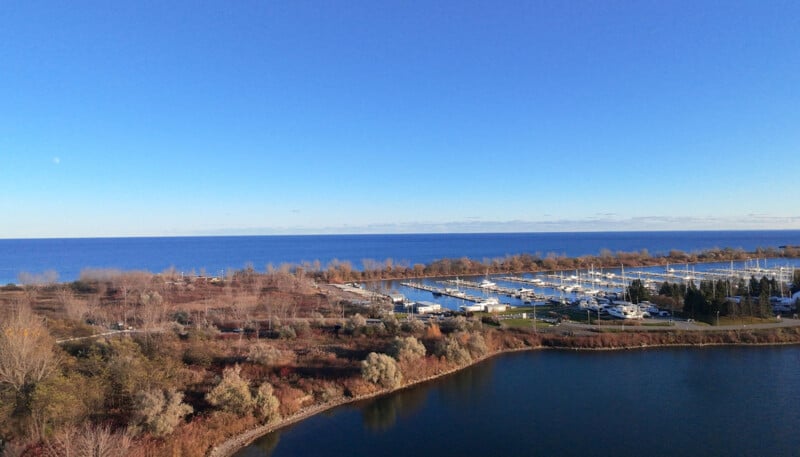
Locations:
(73, 308)
(88, 441)
(26, 351)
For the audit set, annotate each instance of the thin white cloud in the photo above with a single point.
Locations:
(56, 160)
(589, 224)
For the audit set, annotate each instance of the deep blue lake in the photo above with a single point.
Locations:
(732, 401)
(212, 255)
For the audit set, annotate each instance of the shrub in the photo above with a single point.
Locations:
(413, 326)
(455, 324)
(433, 332)
(317, 320)
(287, 332)
(301, 328)
(355, 323)
(476, 345)
(265, 354)
(381, 369)
(266, 404)
(451, 349)
(232, 394)
(199, 354)
(160, 411)
(408, 348)
(391, 324)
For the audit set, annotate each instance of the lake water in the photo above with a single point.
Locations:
(216, 254)
(733, 401)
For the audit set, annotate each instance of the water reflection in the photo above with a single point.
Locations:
(527, 404)
(269, 443)
(461, 386)
(263, 447)
(382, 413)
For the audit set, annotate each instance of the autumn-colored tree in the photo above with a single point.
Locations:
(266, 405)
(159, 411)
(407, 348)
(27, 358)
(26, 350)
(381, 369)
(232, 394)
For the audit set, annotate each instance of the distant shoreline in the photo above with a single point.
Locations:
(218, 255)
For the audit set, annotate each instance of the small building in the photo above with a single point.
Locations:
(426, 307)
(495, 307)
(397, 298)
(471, 308)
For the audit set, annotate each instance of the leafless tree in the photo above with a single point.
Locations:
(26, 350)
(88, 441)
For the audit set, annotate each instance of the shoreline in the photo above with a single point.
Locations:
(236, 443)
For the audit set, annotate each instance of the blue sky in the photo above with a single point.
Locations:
(188, 118)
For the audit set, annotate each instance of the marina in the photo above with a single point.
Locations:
(592, 289)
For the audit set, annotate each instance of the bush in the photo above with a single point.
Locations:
(199, 355)
(408, 348)
(265, 354)
(159, 411)
(476, 345)
(454, 324)
(301, 328)
(317, 320)
(381, 369)
(355, 323)
(391, 324)
(266, 407)
(451, 349)
(432, 332)
(413, 326)
(232, 394)
(287, 333)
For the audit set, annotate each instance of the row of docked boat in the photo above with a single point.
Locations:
(621, 309)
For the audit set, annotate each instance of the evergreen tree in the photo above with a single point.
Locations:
(764, 306)
(747, 305)
(637, 291)
(665, 289)
(694, 301)
(755, 289)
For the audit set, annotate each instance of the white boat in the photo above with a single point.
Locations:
(454, 292)
(625, 310)
(486, 284)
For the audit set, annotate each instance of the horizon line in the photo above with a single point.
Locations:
(287, 234)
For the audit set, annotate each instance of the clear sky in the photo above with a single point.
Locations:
(126, 118)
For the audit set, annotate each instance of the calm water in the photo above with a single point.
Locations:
(664, 402)
(214, 254)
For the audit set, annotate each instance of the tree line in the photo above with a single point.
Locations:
(713, 298)
(371, 270)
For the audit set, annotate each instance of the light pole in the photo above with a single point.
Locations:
(717, 318)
